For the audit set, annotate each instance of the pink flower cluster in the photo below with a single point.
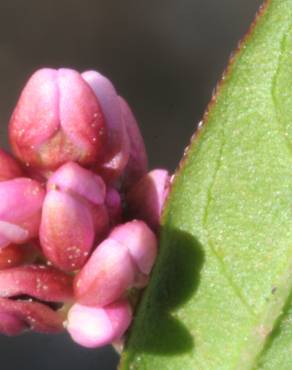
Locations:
(79, 214)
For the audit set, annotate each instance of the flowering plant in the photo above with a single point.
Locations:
(79, 214)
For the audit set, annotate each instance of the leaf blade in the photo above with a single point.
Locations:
(233, 188)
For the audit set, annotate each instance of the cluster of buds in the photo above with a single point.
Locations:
(79, 214)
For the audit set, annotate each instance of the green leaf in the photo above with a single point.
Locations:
(219, 297)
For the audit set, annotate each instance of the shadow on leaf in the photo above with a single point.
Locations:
(175, 278)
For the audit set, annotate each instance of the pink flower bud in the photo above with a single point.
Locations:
(57, 119)
(120, 262)
(20, 210)
(9, 168)
(95, 327)
(117, 152)
(41, 282)
(146, 198)
(28, 298)
(73, 216)
(140, 241)
(17, 316)
(106, 276)
(138, 163)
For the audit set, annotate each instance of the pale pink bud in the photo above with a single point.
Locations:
(117, 152)
(98, 326)
(17, 316)
(140, 241)
(9, 168)
(138, 163)
(146, 198)
(74, 216)
(57, 119)
(106, 276)
(73, 179)
(120, 262)
(20, 210)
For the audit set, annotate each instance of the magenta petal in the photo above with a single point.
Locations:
(35, 118)
(80, 116)
(117, 153)
(145, 199)
(140, 241)
(106, 276)
(138, 162)
(95, 327)
(67, 231)
(74, 179)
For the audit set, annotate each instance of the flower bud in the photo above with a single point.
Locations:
(20, 210)
(140, 241)
(57, 119)
(41, 282)
(95, 326)
(73, 217)
(29, 297)
(9, 168)
(146, 198)
(117, 147)
(106, 276)
(138, 163)
(18, 316)
(120, 262)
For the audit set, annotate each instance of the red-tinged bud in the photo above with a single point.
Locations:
(44, 283)
(57, 119)
(140, 241)
(117, 147)
(113, 203)
(122, 261)
(9, 168)
(73, 217)
(20, 210)
(95, 327)
(17, 316)
(138, 162)
(30, 297)
(146, 198)
(106, 276)
(16, 255)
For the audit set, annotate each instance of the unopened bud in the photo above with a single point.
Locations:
(73, 216)
(57, 119)
(98, 326)
(120, 262)
(145, 199)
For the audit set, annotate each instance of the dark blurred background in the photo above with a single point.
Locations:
(164, 57)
